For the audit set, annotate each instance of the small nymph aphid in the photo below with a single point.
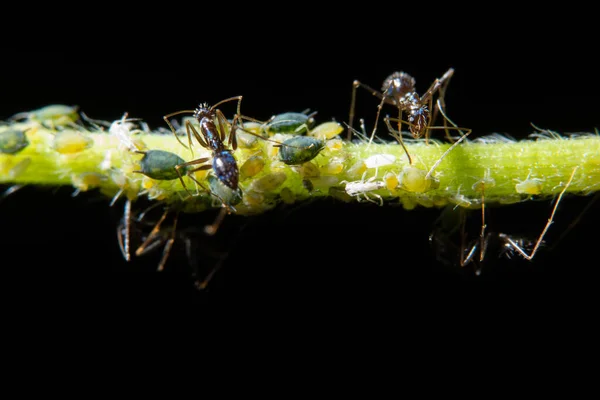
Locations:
(52, 116)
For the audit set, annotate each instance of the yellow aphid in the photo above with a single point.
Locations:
(201, 174)
(253, 198)
(326, 130)
(309, 170)
(416, 180)
(335, 167)
(71, 142)
(252, 166)
(287, 196)
(246, 140)
(12, 170)
(529, 186)
(147, 183)
(391, 180)
(357, 169)
(335, 144)
(87, 180)
(269, 182)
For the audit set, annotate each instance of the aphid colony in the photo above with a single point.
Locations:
(246, 166)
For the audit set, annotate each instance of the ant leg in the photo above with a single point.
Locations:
(144, 247)
(212, 229)
(11, 190)
(189, 128)
(518, 248)
(169, 244)
(398, 136)
(482, 241)
(575, 221)
(166, 118)
(189, 172)
(356, 85)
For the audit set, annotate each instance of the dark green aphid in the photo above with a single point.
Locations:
(300, 149)
(290, 123)
(12, 141)
(160, 165)
(227, 195)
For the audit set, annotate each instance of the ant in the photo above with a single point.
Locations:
(509, 244)
(399, 90)
(212, 137)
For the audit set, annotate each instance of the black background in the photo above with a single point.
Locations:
(504, 80)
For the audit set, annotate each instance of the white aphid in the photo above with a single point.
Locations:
(121, 128)
(379, 160)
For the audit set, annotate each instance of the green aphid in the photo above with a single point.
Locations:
(292, 123)
(160, 165)
(12, 141)
(51, 116)
(300, 149)
(227, 195)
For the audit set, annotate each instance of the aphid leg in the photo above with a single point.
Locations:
(124, 231)
(169, 244)
(166, 118)
(518, 248)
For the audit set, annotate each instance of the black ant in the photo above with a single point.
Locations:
(212, 136)
(399, 90)
(509, 245)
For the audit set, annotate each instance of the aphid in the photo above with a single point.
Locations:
(12, 141)
(364, 189)
(71, 142)
(165, 166)
(228, 197)
(399, 90)
(530, 187)
(326, 130)
(292, 123)
(52, 116)
(269, 182)
(252, 166)
(300, 149)
(122, 129)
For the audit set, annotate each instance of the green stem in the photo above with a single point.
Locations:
(498, 171)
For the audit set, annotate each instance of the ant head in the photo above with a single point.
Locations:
(398, 83)
(202, 110)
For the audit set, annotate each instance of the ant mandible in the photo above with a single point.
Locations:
(399, 90)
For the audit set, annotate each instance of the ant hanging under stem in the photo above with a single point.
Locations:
(399, 90)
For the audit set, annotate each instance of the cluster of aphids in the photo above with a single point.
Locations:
(267, 148)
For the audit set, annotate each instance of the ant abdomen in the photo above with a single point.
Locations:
(225, 168)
